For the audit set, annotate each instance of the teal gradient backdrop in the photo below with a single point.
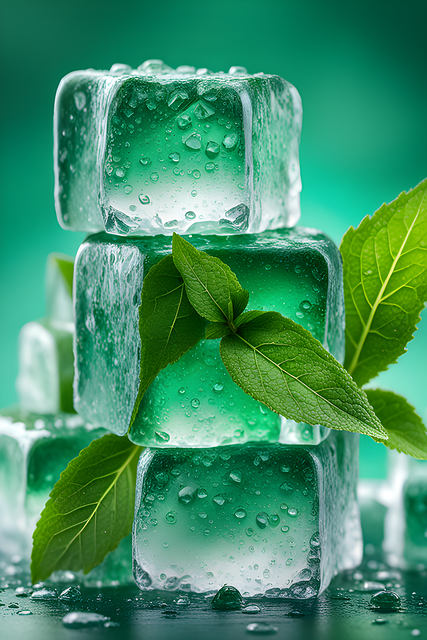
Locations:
(360, 69)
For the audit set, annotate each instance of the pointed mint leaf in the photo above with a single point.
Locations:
(405, 429)
(385, 283)
(168, 324)
(248, 316)
(216, 330)
(211, 286)
(90, 509)
(65, 266)
(280, 364)
(240, 302)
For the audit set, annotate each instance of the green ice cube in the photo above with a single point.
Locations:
(269, 519)
(154, 150)
(34, 450)
(194, 401)
(415, 514)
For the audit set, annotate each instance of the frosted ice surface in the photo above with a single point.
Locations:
(156, 150)
(271, 519)
(34, 450)
(194, 401)
(46, 367)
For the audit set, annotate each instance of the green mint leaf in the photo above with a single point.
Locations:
(280, 364)
(405, 429)
(385, 283)
(240, 302)
(65, 265)
(90, 509)
(217, 330)
(212, 288)
(244, 318)
(168, 324)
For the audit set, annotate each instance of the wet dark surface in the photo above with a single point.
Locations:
(342, 612)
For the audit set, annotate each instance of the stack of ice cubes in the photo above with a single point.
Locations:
(227, 490)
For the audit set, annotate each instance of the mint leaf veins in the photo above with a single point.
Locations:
(90, 509)
(385, 283)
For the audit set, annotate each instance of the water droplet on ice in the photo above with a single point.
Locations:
(262, 520)
(305, 305)
(261, 629)
(212, 149)
(190, 215)
(193, 141)
(175, 157)
(230, 141)
(154, 177)
(170, 517)
(143, 199)
(185, 495)
(145, 161)
(80, 100)
(183, 121)
(195, 403)
(240, 513)
(217, 388)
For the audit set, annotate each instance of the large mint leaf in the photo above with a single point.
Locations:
(212, 287)
(385, 283)
(280, 364)
(90, 509)
(168, 324)
(405, 429)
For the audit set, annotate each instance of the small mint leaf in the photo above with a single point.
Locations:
(385, 283)
(240, 302)
(244, 318)
(216, 330)
(210, 284)
(405, 429)
(90, 509)
(168, 324)
(65, 266)
(280, 364)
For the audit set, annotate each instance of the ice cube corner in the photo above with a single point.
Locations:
(155, 150)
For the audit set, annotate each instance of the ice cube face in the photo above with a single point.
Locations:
(194, 401)
(46, 367)
(270, 519)
(154, 150)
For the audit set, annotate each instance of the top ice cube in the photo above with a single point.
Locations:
(156, 150)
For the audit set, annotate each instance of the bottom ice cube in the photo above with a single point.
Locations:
(278, 520)
(34, 450)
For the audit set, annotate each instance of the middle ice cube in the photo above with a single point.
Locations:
(194, 402)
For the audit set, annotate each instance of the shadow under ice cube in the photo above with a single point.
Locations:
(157, 150)
(269, 519)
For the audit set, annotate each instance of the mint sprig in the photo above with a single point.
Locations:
(272, 358)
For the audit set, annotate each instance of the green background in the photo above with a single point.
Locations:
(361, 71)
